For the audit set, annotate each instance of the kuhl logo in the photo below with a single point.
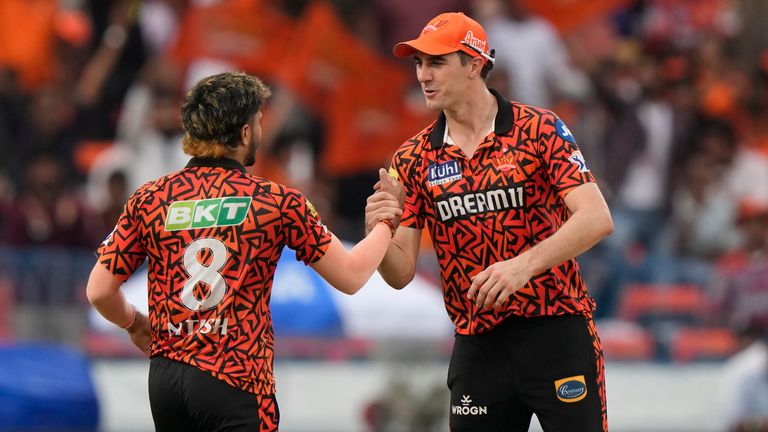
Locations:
(571, 389)
(445, 172)
(206, 213)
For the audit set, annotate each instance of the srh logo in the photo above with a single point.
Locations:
(504, 163)
(206, 213)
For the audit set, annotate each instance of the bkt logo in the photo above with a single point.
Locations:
(207, 213)
(467, 409)
(444, 172)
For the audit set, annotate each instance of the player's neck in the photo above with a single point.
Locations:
(472, 115)
(468, 124)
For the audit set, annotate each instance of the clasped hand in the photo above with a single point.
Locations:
(386, 203)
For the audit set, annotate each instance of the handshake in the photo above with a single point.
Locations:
(386, 203)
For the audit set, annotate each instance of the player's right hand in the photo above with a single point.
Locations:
(386, 203)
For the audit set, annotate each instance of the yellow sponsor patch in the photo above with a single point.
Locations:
(571, 389)
(312, 210)
(393, 173)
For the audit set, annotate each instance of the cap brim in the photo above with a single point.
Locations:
(431, 47)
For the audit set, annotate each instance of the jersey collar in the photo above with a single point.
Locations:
(502, 124)
(218, 163)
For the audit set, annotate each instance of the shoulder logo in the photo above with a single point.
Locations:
(445, 172)
(311, 208)
(183, 215)
(564, 132)
(393, 173)
(577, 158)
(109, 237)
(571, 389)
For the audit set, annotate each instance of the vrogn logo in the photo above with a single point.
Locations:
(207, 213)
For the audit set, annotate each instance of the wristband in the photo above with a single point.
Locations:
(133, 319)
(390, 225)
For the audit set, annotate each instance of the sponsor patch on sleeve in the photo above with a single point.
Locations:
(577, 159)
(393, 173)
(564, 132)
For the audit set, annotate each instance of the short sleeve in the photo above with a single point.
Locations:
(563, 161)
(402, 169)
(304, 231)
(122, 252)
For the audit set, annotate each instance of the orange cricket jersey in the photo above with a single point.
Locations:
(213, 235)
(504, 200)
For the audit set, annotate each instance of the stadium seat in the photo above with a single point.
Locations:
(643, 302)
(692, 344)
(6, 310)
(626, 341)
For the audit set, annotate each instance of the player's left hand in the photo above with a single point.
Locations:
(140, 333)
(494, 285)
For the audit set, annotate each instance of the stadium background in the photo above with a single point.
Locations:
(668, 100)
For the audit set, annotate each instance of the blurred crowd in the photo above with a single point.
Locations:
(668, 100)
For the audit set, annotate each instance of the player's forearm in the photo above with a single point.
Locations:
(397, 268)
(103, 292)
(584, 229)
(351, 270)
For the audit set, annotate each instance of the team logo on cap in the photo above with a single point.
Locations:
(434, 26)
(474, 42)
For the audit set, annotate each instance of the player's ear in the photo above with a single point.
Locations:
(476, 64)
(245, 134)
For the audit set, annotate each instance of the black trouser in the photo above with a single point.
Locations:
(185, 398)
(550, 366)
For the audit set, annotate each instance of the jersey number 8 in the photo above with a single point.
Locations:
(208, 274)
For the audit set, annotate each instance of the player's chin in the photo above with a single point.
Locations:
(434, 105)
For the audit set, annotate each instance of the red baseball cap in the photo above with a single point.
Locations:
(446, 33)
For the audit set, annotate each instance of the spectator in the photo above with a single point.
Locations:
(531, 52)
(745, 384)
(741, 289)
(47, 212)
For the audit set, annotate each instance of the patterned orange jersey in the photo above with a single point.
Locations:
(213, 235)
(504, 200)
